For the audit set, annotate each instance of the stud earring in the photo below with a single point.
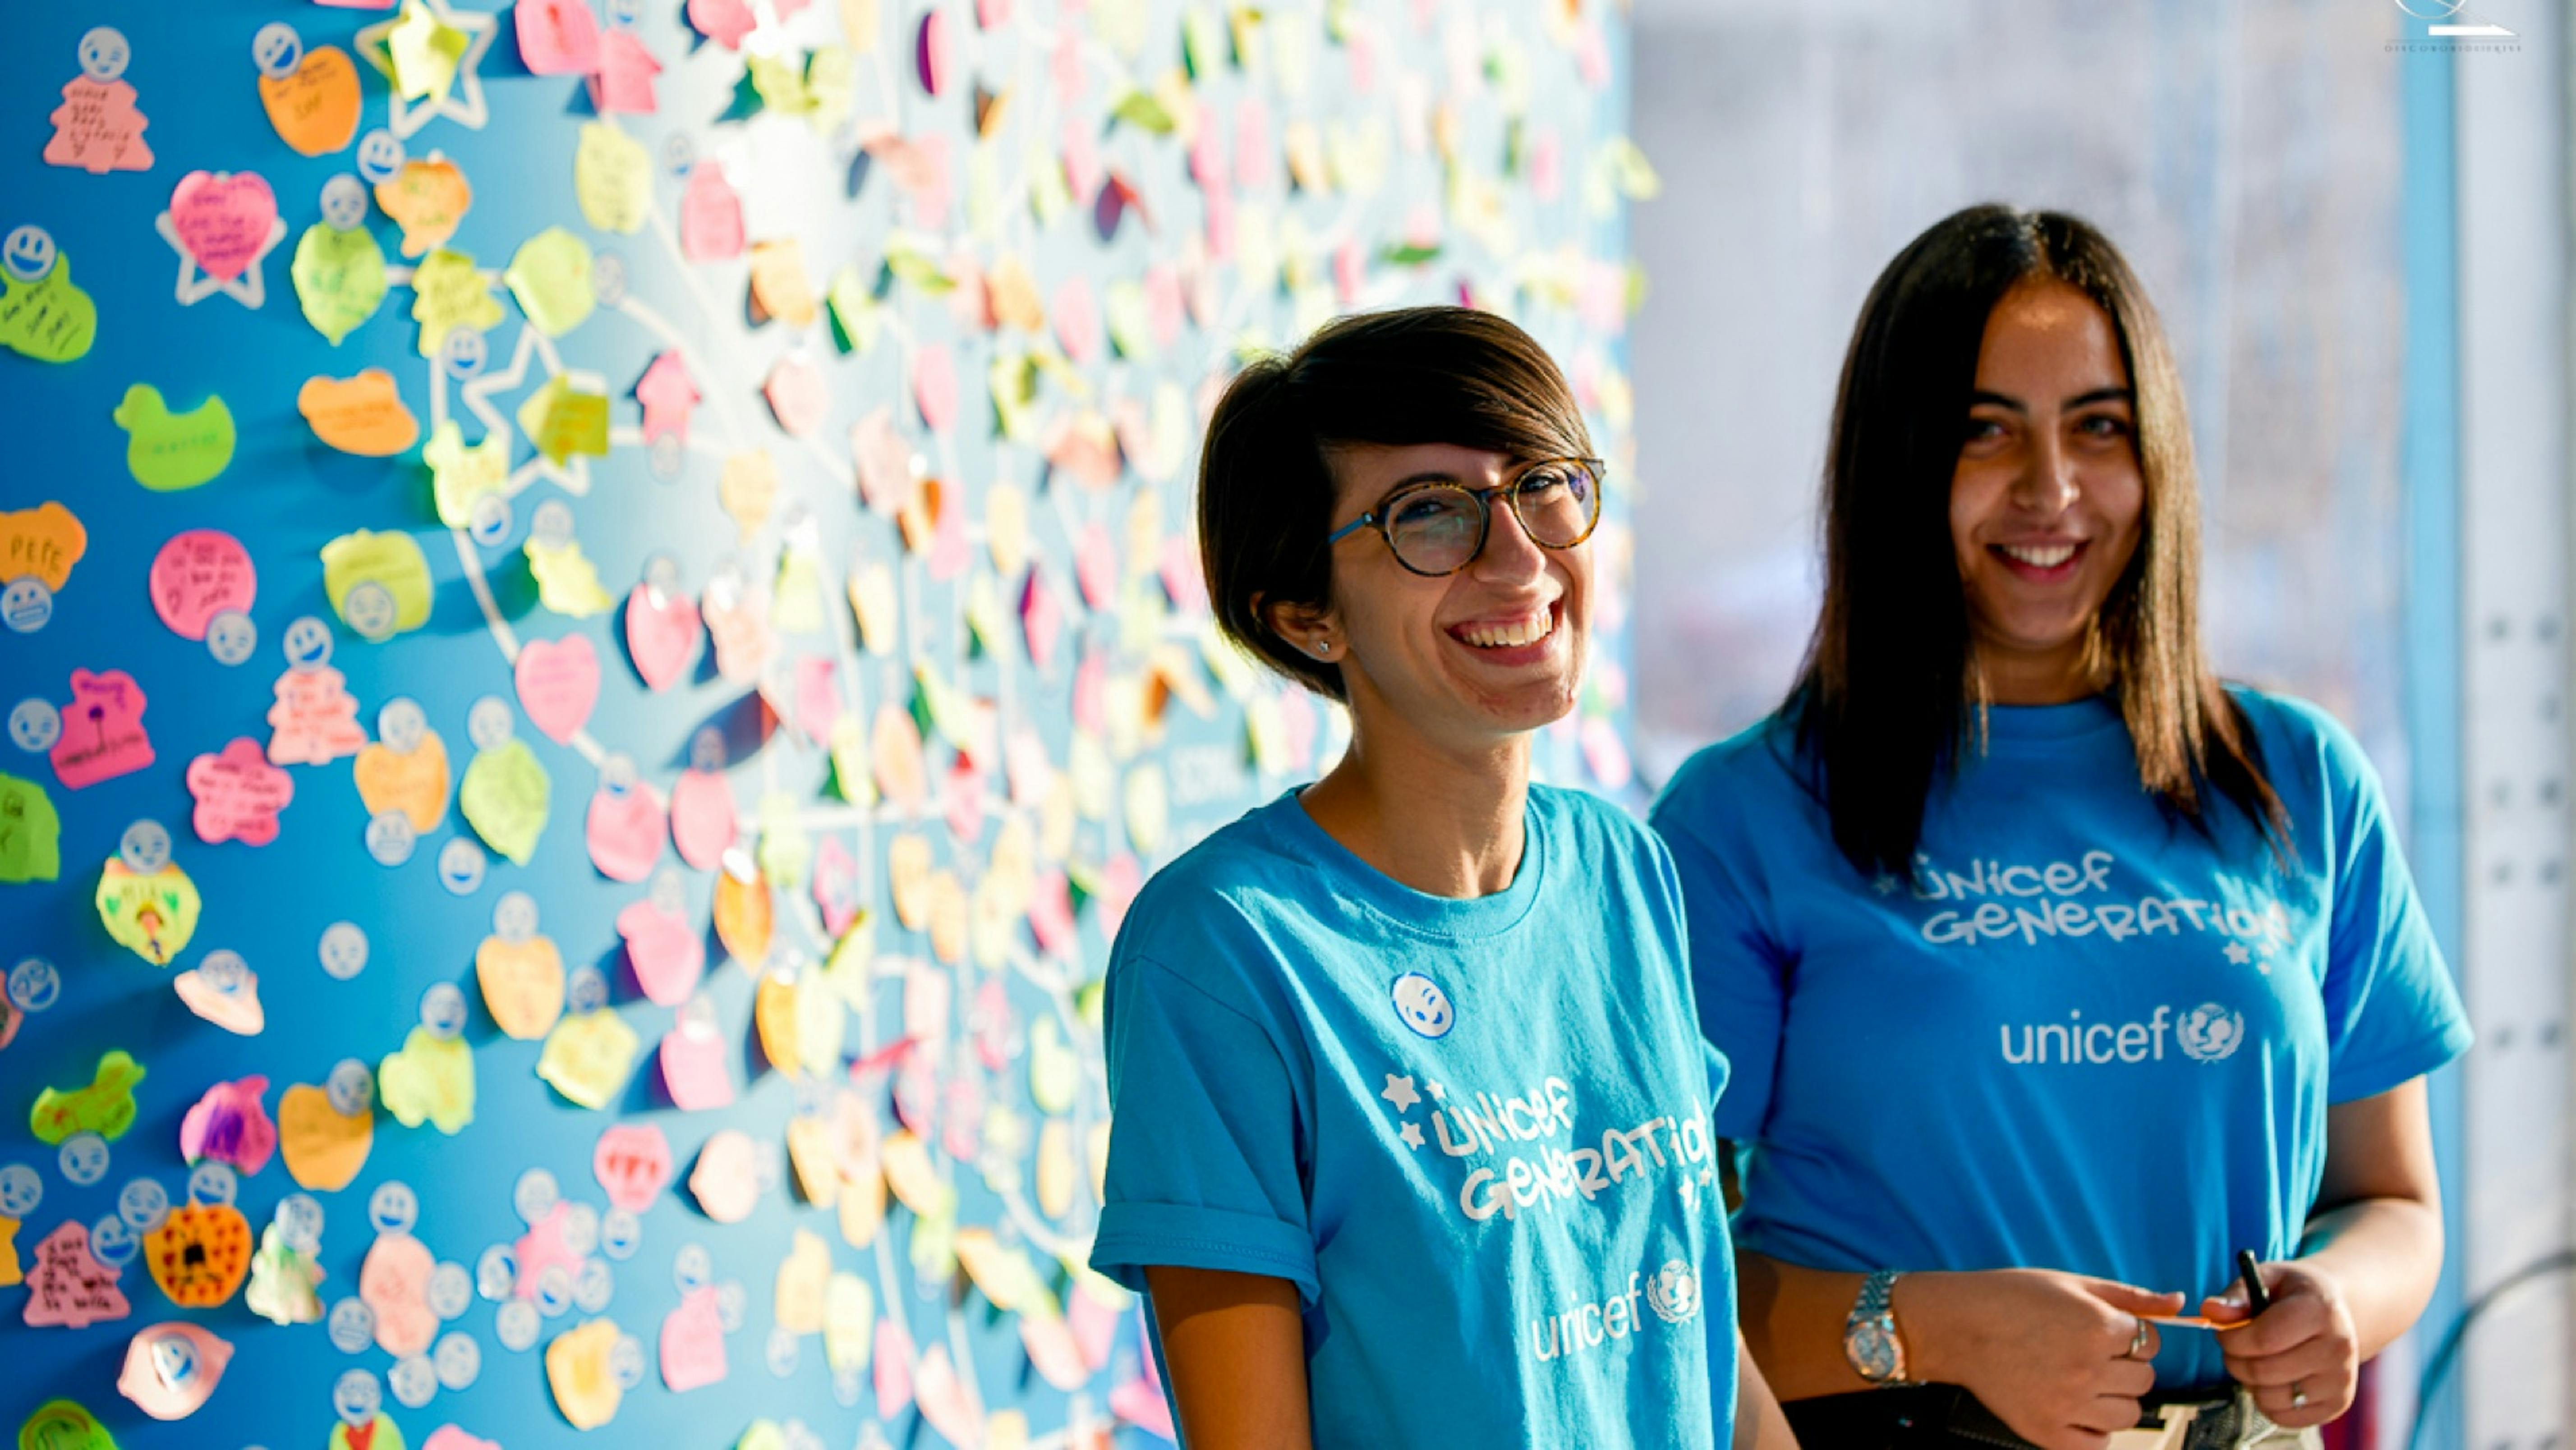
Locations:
(1323, 649)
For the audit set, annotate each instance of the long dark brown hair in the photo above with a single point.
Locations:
(1889, 700)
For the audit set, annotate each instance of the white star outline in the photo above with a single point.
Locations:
(249, 289)
(572, 477)
(463, 102)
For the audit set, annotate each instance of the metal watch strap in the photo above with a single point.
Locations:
(1875, 1309)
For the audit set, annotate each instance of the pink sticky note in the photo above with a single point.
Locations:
(945, 1401)
(1041, 619)
(558, 684)
(223, 220)
(702, 817)
(1120, 880)
(1209, 164)
(239, 794)
(725, 22)
(558, 37)
(315, 719)
(693, 1352)
(623, 84)
(633, 1163)
(1298, 724)
(710, 215)
(1140, 1401)
(934, 385)
(693, 1067)
(818, 697)
(1547, 166)
(98, 129)
(894, 1369)
(1091, 693)
(624, 830)
(230, 1125)
(1051, 915)
(836, 885)
(1077, 319)
(1163, 303)
(448, 1437)
(884, 461)
(934, 54)
(964, 799)
(726, 1180)
(198, 575)
(1053, 1351)
(1095, 566)
(797, 394)
(102, 730)
(546, 1246)
(1184, 582)
(992, 14)
(666, 952)
(1256, 161)
(667, 393)
(1095, 1326)
(1082, 168)
(167, 1397)
(662, 629)
(394, 1282)
(994, 1023)
(68, 1286)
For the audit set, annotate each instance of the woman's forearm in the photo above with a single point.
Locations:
(1793, 1325)
(2384, 1254)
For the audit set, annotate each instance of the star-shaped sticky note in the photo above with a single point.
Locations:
(432, 53)
(425, 52)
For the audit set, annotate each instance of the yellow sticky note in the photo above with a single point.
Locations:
(431, 1080)
(779, 284)
(151, 915)
(747, 488)
(550, 275)
(378, 583)
(562, 420)
(589, 1056)
(612, 178)
(804, 1280)
(459, 474)
(523, 984)
(577, 1369)
(567, 582)
(505, 798)
(448, 293)
(425, 52)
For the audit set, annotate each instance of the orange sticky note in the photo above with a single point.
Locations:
(363, 415)
(426, 199)
(315, 110)
(324, 1147)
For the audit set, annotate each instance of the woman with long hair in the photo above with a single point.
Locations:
(1410, 1139)
(2054, 973)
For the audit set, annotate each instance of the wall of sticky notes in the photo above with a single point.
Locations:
(598, 620)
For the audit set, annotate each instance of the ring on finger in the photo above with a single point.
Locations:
(2298, 1396)
(2138, 1341)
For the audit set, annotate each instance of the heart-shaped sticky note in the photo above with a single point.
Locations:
(558, 684)
(315, 109)
(692, 1056)
(703, 819)
(324, 1147)
(200, 1254)
(413, 782)
(662, 629)
(223, 220)
(523, 984)
(577, 1368)
(153, 916)
(624, 830)
(665, 950)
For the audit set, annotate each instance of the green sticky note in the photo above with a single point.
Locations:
(105, 1107)
(561, 420)
(1131, 327)
(856, 317)
(550, 275)
(504, 799)
(425, 52)
(64, 1425)
(168, 451)
(30, 833)
(48, 319)
(459, 474)
(567, 582)
(786, 851)
(378, 583)
(339, 277)
(448, 293)
(1136, 108)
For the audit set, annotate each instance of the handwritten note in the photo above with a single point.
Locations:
(339, 278)
(363, 415)
(315, 108)
(505, 797)
(197, 575)
(167, 451)
(239, 794)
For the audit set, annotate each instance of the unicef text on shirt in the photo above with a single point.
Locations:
(2210, 1032)
(2064, 916)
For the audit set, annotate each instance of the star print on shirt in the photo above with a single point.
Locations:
(2237, 953)
(1399, 1091)
(1438, 1093)
(1412, 1135)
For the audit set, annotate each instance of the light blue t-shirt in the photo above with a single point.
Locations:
(2087, 1037)
(1473, 1133)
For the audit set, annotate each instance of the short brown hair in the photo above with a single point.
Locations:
(1394, 379)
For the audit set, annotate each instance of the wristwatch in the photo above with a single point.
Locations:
(1870, 1340)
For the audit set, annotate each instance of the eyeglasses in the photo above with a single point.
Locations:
(1440, 528)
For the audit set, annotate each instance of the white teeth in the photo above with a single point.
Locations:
(1518, 632)
(2041, 558)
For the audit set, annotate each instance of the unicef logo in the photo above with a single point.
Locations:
(1422, 1006)
(1674, 1293)
(2210, 1033)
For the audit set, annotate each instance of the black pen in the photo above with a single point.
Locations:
(2256, 1301)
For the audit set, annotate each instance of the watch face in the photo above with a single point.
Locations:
(1872, 1349)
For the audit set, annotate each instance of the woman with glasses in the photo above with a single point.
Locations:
(2054, 973)
(1411, 1110)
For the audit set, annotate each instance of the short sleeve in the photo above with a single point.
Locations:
(1735, 972)
(1203, 1162)
(2392, 1014)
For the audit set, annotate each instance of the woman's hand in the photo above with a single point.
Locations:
(2060, 1358)
(2301, 1357)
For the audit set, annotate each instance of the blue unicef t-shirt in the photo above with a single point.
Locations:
(1473, 1133)
(2086, 1037)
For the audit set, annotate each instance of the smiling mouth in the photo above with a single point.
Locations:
(2040, 561)
(1501, 635)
